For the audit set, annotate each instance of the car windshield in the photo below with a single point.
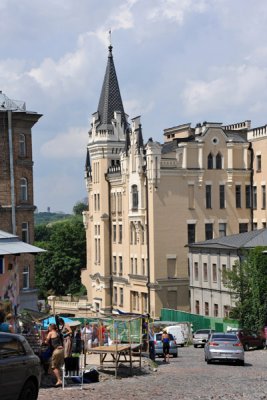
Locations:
(206, 331)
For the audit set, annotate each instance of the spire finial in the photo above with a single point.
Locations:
(110, 45)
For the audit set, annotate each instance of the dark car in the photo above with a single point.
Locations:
(20, 369)
(250, 339)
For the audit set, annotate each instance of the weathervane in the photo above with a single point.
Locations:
(109, 36)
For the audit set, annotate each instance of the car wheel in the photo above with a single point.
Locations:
(195, 346)
(29, 391)
(242, 363)
(208, 361)
(175, 355)
(182, 345)
(246, 347)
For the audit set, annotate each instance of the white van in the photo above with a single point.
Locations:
(177, 333)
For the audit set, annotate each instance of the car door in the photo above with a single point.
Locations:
(12, 368)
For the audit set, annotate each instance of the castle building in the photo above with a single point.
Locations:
(16, 194)
(148, 201)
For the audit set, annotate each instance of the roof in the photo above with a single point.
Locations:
(11, 244)
(246, 240)
(110, 98)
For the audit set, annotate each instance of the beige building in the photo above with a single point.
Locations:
(148, 201)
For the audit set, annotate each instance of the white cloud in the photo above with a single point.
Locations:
(69, 145)
(233, 87)
(177, 10)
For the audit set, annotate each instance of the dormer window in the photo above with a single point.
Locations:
(219, 161)
(134, 197)
(210, 161)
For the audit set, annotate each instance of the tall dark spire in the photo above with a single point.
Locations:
(110, 98)
(139, 141)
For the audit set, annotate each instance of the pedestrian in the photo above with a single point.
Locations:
(166, 346)
(87, 337)
(95, 336)
(53, 339)
(66, 331)
(77, 341)
(4, 326)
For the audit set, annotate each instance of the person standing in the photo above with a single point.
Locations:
(5, 326)
(53, 339)
(66, 331)
(166, 346)
(87, 337)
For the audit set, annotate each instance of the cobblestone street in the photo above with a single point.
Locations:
(186, 377)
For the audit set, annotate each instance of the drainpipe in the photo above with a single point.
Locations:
(110, 245)
(11, 167)
(148, 249)
(251, 184)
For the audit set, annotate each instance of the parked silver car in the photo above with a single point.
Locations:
(201, 336)
(20, 369)
(224, 347)
(159, 345)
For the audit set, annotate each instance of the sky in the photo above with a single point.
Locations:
(177, 61)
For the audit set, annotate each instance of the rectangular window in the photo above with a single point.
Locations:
(26, 277)
(238, 196)
(208, 231)
(197, 310)
(191, 233)
(205, 272)
(120, 233)
(191, 197)
(255, 226)
(132, 265)
(243, 227)
(226, 311)
(222, 196)
(216, 310)
(207, 311)
(135, 301)
(214, 272)
(145, 302)
(121, 297)
(196, 271)
(25, 232)
(135, 266)
(248, 196)
(224, 270)
(114, 233)
(114, 264)
(264, 225)
(143, 267)
(208, 196)
(255, 197)
(115, 296)
(2, 268)
(222, 229)
(120, 265)
(263, 197)
(258, 163)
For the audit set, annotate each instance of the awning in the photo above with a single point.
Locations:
(11, 244)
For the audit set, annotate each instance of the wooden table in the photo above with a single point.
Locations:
(117, 351)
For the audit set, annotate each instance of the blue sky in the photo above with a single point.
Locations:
(177, 61)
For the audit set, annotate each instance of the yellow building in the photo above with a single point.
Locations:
(148, 201)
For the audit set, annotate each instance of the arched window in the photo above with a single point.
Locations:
(219, 161)
(23, 189)
(134, 197)
(22, 145)
(210, 161)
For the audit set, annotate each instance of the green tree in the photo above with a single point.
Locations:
(247, 282)
(58, 270)
(79, 207)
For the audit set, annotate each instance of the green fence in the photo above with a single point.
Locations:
(198, 321)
